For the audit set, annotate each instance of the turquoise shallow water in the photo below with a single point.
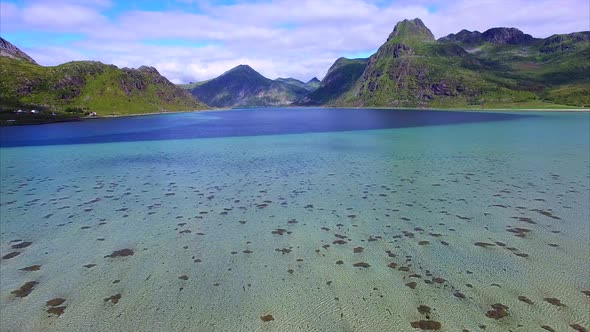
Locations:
(225, 230)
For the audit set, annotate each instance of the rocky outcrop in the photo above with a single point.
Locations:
(11, 51)
(566, 42)
(510, 36)
(501, 36)
(415, 29)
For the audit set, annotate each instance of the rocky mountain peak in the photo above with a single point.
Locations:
(500, 36)
(11, 51)
(505, 36)
(413, 29)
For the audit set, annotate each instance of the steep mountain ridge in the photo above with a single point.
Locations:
(502, 67)
(501, 36)
(340, 78)
(11, 51)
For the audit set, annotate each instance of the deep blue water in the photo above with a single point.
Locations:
(256, 122)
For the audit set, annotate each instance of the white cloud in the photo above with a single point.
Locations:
(61, 17)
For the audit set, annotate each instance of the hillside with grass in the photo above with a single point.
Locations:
(340, 78)
(499, 68)
(81, 88)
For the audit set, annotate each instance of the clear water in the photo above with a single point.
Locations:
(199, 198)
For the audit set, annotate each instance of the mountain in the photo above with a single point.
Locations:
(502, 36)
(309, 86)
(339, 79)
(312, 84)
(11, 51)
(78, 88)
(412, 69)
(242, 86)
(501, 67)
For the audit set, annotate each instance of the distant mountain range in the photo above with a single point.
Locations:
(80, 88)
(242, 86)
(501, 67)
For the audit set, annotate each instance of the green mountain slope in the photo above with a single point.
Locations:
(555, 69)
(242, 86)
(501, 67)
(339, 79)
(313, 84)
(76, 89)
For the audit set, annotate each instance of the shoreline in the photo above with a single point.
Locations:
(504, 109)
(571, 110)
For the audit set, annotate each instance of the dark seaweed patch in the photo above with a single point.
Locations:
(500, 311)
(120, 253)
(554, 301)
(55, 302)
(424, 309)
(21, 245)
(578, 327)
(11, 255)
(56, 310)
(31, 268)
(525, 299)
(25, 289)
(267, 318)
(426, 325)
(114, 299)
(412, 284)
(279, 231)
(484, 244)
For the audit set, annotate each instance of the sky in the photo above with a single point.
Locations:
(195, 40)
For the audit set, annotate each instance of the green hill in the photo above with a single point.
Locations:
(339, 79)
(501, 67)
(76, 89)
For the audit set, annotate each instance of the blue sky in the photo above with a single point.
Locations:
(193, 40)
